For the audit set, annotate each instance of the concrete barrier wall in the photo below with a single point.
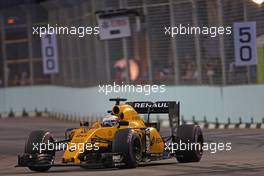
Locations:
(198, 101)
(25, 97)
(244, 101)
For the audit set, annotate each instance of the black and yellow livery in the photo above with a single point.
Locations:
(132, 142)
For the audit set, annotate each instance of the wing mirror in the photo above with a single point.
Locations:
(123, 123)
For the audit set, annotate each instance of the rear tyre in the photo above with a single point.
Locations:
(192, 136)
(39, 137)
(128, 142)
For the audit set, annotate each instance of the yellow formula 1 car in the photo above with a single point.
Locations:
(122, 139)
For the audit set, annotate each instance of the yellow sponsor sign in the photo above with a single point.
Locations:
(260, 66)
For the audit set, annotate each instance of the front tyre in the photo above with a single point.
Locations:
(45, 157)
(128, 142)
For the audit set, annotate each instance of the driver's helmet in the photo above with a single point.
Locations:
(110, 121)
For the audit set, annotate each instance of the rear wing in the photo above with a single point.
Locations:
(172, 108)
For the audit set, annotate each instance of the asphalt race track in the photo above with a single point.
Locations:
(245, 158)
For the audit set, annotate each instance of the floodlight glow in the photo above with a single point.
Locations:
(258, 1)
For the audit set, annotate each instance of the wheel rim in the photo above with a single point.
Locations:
(137, 150)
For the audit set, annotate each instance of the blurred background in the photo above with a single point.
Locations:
(199, 70)
(153, 57)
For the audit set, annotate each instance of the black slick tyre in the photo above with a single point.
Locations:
(192, 136)
(128, 142)
(39, 137)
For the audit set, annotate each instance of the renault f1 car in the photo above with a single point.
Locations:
(131, 142)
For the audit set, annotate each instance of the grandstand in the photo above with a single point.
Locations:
(154, 56)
